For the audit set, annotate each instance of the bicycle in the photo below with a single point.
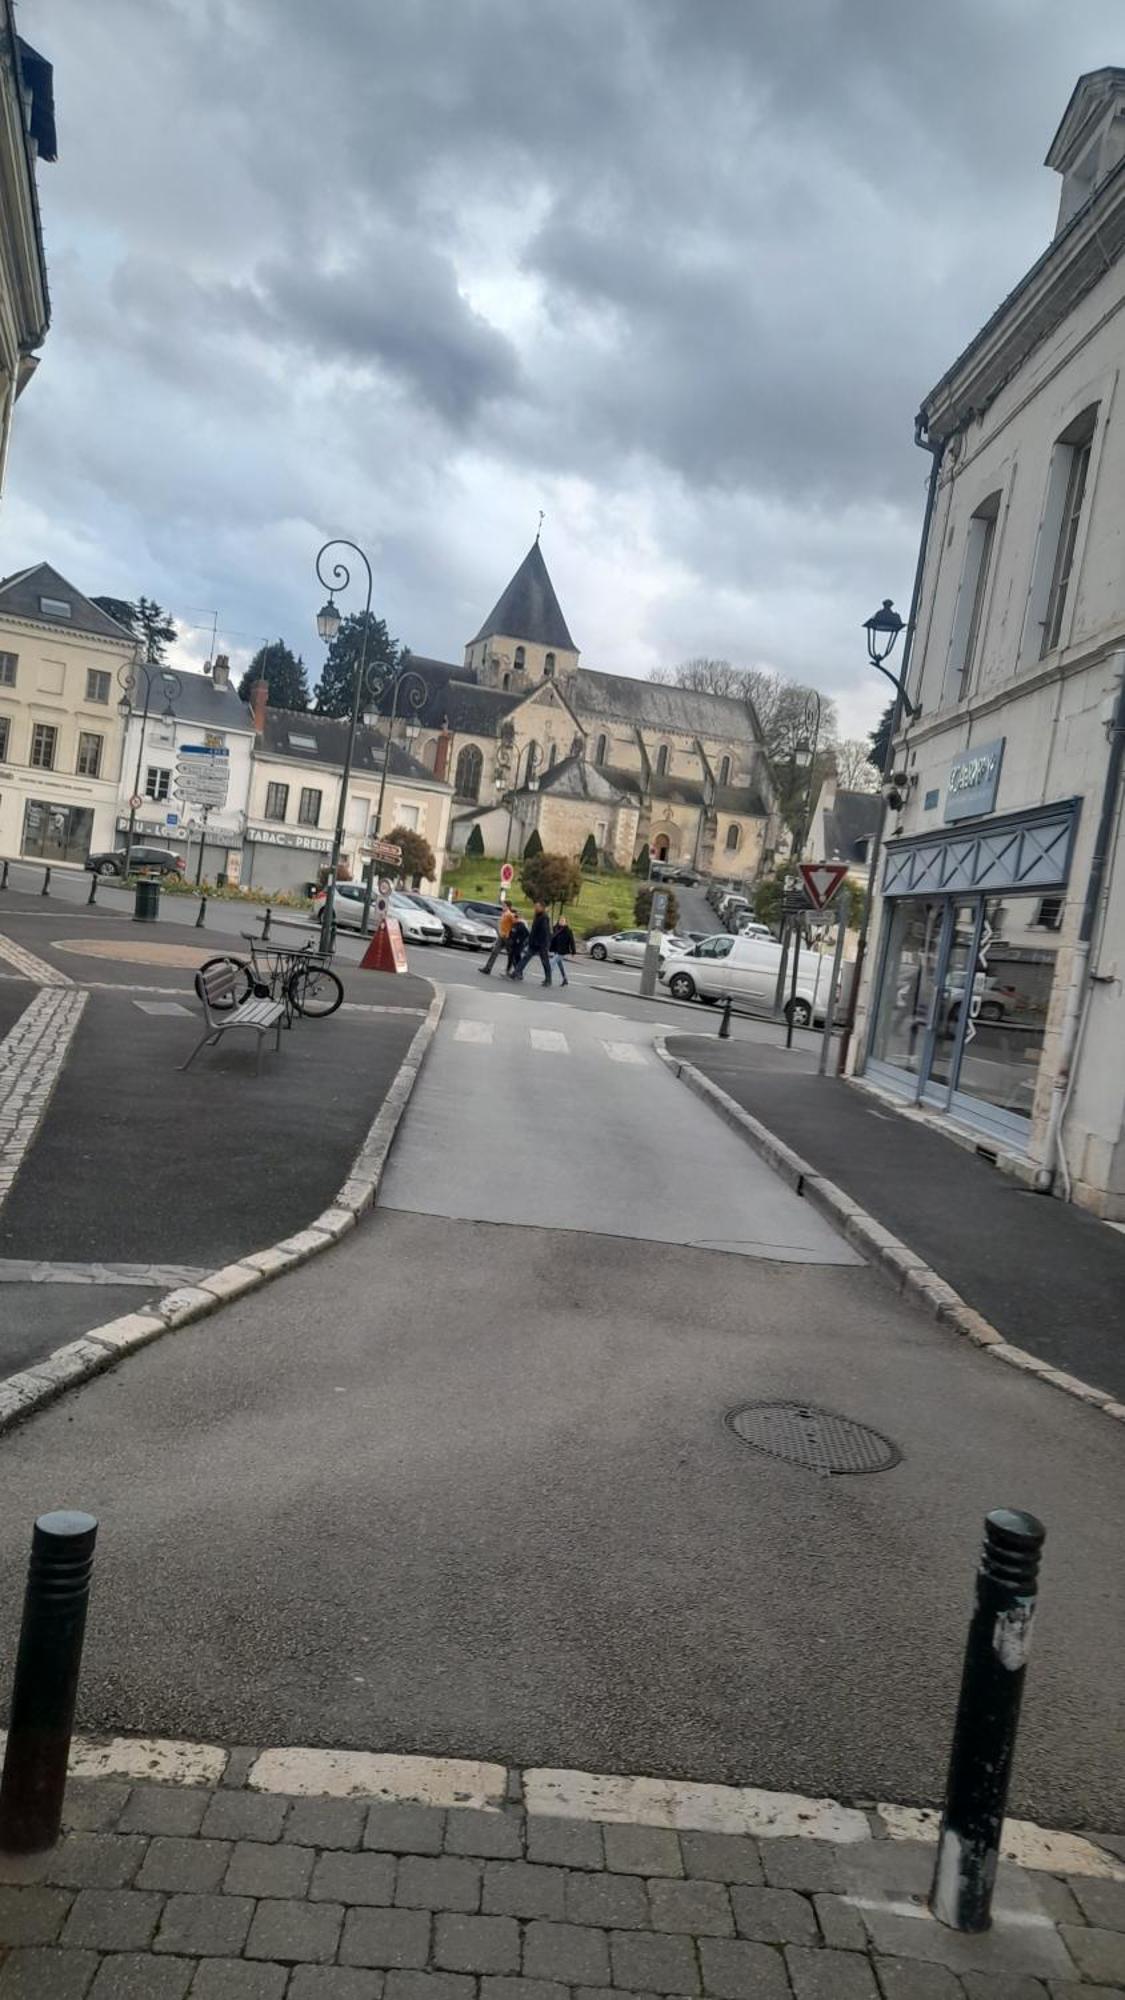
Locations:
(300, 976)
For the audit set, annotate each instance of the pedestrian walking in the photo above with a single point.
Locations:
(504, 931)
(517, 939)
(562, 948)
(538, 945)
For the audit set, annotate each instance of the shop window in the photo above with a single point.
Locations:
(467, 777)
(158, 782)
(968, 621)
(44, 743)
(277, 801)
(89, 761)
(56, 833)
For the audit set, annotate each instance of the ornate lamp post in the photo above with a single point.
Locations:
(417, 694)
(532, 786)
(327, 625)
(882, 629)
(148, 672)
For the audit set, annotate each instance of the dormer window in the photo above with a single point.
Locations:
(55, 607)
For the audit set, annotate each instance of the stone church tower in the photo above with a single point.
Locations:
(524, 639)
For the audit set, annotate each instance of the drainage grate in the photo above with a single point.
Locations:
(818, 1439)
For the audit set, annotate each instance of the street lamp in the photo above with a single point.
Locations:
(882, 630)
(150, 671)
(804, 756)
(327, 625)
(417, 695)
(532, 786)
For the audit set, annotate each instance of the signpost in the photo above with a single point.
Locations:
(507, 873)
(202, 778)
(822, 879)
(656, 916)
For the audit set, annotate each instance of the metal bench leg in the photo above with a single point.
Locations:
(209, 1037)
(277, 1037)
(258, 1063)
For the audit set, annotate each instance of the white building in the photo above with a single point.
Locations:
(27, 134)
(996, 990)
(191, 710)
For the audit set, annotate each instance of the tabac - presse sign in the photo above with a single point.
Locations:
(202, 775)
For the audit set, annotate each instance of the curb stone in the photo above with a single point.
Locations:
(895, 1261)
(102, 1347)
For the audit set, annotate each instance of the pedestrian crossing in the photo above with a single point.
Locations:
(515, 1036)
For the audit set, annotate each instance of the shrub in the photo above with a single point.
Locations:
(643, 904)
(589, 855)
(643, 861)
(768, 899)
(475, 843)
(533, 845)
(551, 878)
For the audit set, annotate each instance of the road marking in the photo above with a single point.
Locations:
(473, 1031)
(549, 1039)
(31, 967)
(49, 1271)
(368, 1774)
(626, 1052)
(31, 1059)
(161, 1007)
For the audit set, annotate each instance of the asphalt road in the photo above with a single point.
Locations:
(466, 1486)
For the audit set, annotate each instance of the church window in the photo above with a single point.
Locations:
(532, 760)
(467, 777)
(734, 838)
(662, 761)
(600, 749)
(520, 657)
(506, 682)
(552, 756)
(549, 667)
(724, 771)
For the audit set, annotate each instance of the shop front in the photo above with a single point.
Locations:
(966, 969)
(279, 858)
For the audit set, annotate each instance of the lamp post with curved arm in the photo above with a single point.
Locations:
(417, 695)
(327, 625)
(128, 676)
(532, 785)
(804, 756)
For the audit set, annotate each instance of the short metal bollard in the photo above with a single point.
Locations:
(202, 916)
(93, 895)
(984, 1734)
(724, 1025)
(46, 889)
(45, 1689)
(4, 877)
(266, 923)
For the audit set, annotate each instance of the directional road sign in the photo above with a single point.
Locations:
(822, 879)
(202, 775)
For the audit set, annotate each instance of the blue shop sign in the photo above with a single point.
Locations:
(974, 776)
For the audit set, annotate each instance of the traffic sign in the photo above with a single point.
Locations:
(385, 885)
(506, 874)
(136, 802)
(388, 852)
(202, 774)
(822, 879)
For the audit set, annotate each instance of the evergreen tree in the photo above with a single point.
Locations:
(155, 630)
(880, 738)
(283, 672)
(533, 845)
(335, 690)
(120, 609)
(643, 862)
(475, 843)
(588, 858)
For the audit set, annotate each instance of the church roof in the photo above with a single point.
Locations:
(744, 799)
(574, 778)
(650, 705)
(529, 608)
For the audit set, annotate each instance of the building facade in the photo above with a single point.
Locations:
(61, 727)
(996, 989)
(526, 734)
(27, 134)
(201, 711)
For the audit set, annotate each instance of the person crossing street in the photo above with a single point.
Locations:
(504, 929)
(538, 945)
(562, 948)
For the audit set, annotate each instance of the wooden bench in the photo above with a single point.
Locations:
(217, 988)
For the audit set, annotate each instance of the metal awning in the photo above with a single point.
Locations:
(1019, 853)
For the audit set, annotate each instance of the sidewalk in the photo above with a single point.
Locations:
(1049, 1277)
(314, 1875)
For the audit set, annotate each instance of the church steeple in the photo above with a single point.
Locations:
(525, 637)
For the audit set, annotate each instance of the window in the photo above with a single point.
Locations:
(724, 771)
(56, 833)
(1049, 915)
(600, 749)
(5, 727)
(552, 756)
(308, 812)
(55, 607)
(44, 741)
(734, 839)
(89, 764)
(519, 660)
(532, 761)
(8, 664)
(408, 817)
(662, 760)
(969, 616)
(158, 782)
(1066, 491)
(467, 776)
(301, 742)
(549, 667)
(506, 682)
(277, 801)
(97, 684)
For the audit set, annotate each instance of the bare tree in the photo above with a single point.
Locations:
(854, 772)
(781, 709)
(704, 677)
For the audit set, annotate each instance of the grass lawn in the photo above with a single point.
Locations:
(605, 898)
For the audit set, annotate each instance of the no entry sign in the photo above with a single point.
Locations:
(822, 879)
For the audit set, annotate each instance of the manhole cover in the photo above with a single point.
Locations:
(818, 1439)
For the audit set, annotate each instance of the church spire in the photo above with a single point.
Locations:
(528, 610)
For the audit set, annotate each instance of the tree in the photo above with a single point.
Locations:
(475, 843)
(589, 856)
(283, 672)
(779, 707)
(881, 737)
(853, 765)
(120, 609)
(335, 690)
(417, 854)
(642, 908)
(533, 845)
(767, 899)
(551, 878)
(704, 676)
(145, 620)
(853, 900)
(643, 862)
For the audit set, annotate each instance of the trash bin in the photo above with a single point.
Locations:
(146, 902)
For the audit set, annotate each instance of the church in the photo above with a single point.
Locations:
(531, 740)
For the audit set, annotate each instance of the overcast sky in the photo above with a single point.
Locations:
(678, 272)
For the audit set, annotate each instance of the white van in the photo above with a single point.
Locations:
(746, 968)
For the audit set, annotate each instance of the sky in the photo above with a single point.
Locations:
(677, 273)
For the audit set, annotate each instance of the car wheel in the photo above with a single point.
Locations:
(682, 986)
(599, 951)
(990, 1010)
(799, 1012)
(106, 868)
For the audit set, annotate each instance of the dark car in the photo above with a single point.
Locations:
(142, 857)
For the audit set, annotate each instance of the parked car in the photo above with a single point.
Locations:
(459, 925)
(745, 925)
(417, 926)
(141, 857)
(747, 968)
(489, 913)
(628, 947)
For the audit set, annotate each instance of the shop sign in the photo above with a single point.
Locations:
(274, 836)
(974, 776)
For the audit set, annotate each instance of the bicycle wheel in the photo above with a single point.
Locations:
(315, 991)
(245, 982)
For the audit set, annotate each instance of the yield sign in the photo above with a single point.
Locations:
(821, 880)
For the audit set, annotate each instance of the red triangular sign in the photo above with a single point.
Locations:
(821, 880)
(386, 952)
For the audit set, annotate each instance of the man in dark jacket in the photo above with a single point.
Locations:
(562, 948)
(538, 945)
(517, 939)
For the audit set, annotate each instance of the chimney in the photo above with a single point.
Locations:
(441, 755)
(220, 670)
(259, 701)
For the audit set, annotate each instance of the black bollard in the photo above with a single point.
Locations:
(984, 1734)
(202, 916)
(4, 877)
(724, 1024)
(266, 923)
(93, 895)
(46, 889)
(45, 1688)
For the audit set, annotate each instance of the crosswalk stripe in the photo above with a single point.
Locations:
(626, 1052)
(549, 1038)
(473, 1031)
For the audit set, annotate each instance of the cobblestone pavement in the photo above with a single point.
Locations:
(31, 1058)
(219, 1892)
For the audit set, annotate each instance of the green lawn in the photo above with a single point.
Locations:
(605, 898)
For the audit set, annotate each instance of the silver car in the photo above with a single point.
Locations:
(459, 926)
